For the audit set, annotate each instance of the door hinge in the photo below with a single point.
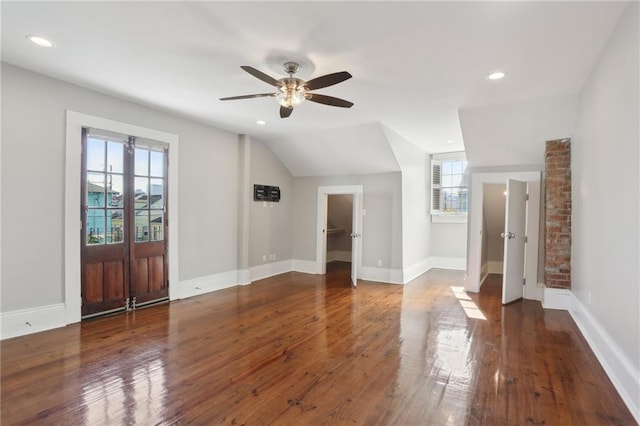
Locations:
(526, 239)
(526, 197)
(524, 281)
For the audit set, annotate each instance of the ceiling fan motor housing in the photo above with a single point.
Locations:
(291, 67)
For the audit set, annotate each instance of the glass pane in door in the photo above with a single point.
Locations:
(141, 225)
(156, 222)
(95, 226)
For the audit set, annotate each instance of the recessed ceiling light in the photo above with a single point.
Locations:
(261, 122)
(496, 75)
(451, 141)
(40, 41)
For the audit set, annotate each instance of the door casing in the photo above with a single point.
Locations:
(72, 219)
(474, 234)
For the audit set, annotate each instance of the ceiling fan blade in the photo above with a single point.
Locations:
(329, 100)
(258, 95)
(285, 112)
(261, 76)
(327, 80)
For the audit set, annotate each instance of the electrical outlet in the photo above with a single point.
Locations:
(379, 262)
(264, 257)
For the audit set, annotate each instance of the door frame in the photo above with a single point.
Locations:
(321, 236)
(474, 239)
(73, 221)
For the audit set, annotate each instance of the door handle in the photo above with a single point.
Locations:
(508, 235)
(355, 235)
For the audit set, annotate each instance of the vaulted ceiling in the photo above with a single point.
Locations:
(415, 65)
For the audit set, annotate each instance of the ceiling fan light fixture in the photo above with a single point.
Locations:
(291, 93)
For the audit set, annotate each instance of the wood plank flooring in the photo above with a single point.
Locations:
(301, 349)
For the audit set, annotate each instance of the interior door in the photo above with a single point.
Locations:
(148, 226)
(514, 241)
(104, 242)
(356, 237)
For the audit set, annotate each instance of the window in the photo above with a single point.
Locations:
(449, 187)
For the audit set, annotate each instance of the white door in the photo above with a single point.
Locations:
(356, 237)
(514, 241)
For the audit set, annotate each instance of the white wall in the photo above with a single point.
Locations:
(33, 175)
(382, 225)
(416, 223)
(270, 224)
(449, 240)
(605, 180)
(505, 135)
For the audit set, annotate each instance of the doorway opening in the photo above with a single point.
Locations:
(524, 189)
(337, 239)
(493, 219)
(339, 228)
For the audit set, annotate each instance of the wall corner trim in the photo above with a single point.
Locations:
(267, 270)
(621, 371)
(557, 298)
(305, 266)
(384, 275)
(419, 268)
(32, 320)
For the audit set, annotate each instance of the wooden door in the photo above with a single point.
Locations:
(148, 244)
(104, 242)
(124, 244)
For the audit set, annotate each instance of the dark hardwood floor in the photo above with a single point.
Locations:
(300, 349)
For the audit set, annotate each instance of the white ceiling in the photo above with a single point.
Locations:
(414, 64)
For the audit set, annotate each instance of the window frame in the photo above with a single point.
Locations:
(436, 167)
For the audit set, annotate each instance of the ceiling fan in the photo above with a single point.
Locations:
(291, 91)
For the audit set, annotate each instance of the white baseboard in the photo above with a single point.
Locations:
(416, 270)
(495, 267)
(305, 266)
(266, 270)
(244, 277)
(556, 298)
(385, 275)
(338, 255)
(27, 321)
(207, 284)
(458, 263)
(624, 376)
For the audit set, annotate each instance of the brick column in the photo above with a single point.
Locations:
(557, 264)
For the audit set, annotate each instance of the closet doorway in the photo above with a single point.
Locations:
(124, 222)
(339, 228)
(327, 230)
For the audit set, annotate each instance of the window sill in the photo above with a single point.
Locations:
(448, 218)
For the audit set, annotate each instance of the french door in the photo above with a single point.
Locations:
(124, 238)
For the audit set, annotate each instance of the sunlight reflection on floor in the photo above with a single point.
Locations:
(469, 306)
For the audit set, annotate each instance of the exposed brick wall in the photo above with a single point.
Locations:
(557, 265)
